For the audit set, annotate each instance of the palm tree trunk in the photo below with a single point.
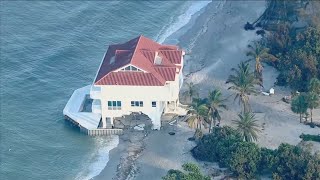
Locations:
(244, 107)
(210, 127)
(197, 125)
(311, 115)
(300, 118)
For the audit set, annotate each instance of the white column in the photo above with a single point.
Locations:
(111, 120)
(104, 122)
(103, 113)
(156, 122)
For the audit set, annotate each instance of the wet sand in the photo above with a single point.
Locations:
(215, 43)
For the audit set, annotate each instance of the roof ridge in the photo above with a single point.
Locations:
(135, 49)
(140, 52)
(164, 66)
(170, 50)
(130, 62)
(134, 53)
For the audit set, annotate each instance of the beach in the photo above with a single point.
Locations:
(215, 43)
(49, 49)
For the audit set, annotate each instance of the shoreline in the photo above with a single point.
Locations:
(207, 17)
(115, 154)
(216, 42)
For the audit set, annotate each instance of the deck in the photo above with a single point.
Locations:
(77, 112)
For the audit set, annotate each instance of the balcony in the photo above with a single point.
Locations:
(95, 92)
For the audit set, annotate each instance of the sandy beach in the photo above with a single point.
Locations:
(215, 43)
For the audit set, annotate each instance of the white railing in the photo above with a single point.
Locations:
(95, 92)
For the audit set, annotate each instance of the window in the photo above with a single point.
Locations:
(114, 105)
(154, 104)
(130, 68)
(119, 103)
(112, 60)
(137, 103)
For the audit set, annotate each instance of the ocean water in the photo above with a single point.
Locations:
(49, 49)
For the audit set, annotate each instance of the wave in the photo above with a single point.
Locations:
(183, 19)
(99, 158)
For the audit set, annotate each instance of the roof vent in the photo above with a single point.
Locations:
(157, 59)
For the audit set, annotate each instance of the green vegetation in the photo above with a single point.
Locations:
(259, 53)
(206, 110)
(298, 54)
(191, 91)
(310, 100)
(247, 161)
(218, 145)
(299, 105)
(309, 137)
(295, 53)
(243, 81)
(293, 37)
(215, 103)
(313, 102)
(247, 126)
(199, 111)
(190, 172)
(314, 86)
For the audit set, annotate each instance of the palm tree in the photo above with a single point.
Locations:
(259, 53)
(192, 91)
(247, 126)
(313, 102)
(215, 102)
(243, 82)
(299, 105)
(199, 111)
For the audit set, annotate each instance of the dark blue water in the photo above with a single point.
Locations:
(49, 49)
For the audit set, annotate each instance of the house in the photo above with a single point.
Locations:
(137, 76)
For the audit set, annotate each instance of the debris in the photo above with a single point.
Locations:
(271, 91)
(286, 99)
(139, 127)
(172, 133)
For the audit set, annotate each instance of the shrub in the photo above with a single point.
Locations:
(293, 162)
(217, 146)
(192, 172)
(309, 137)
(245, 159)
(268, 160)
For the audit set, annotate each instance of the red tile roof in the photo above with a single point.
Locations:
(139, 52)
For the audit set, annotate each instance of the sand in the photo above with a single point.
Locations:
(215, 44)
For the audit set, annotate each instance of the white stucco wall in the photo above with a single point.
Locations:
(147, 94)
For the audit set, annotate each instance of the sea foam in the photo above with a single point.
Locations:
(99, 158)
(180, 21)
